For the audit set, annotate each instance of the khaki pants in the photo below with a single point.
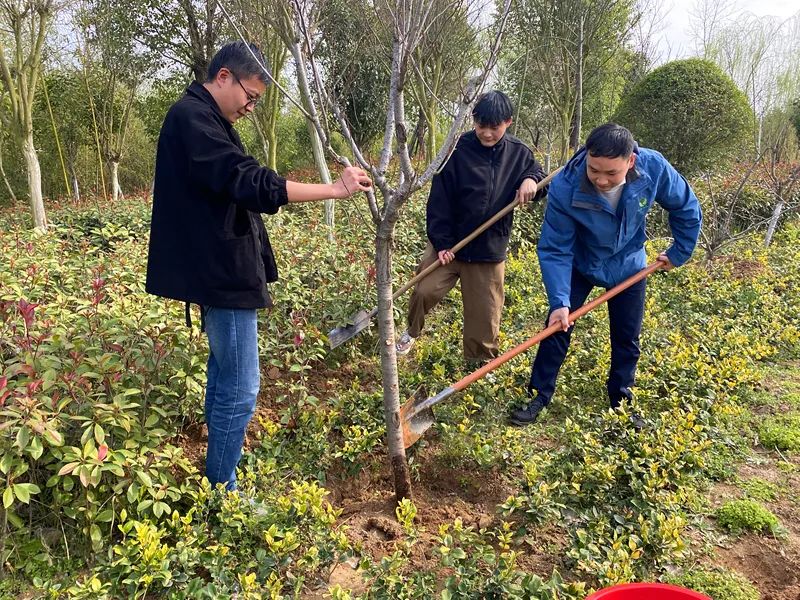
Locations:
(482, 294)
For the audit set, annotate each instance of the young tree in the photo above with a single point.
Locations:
(20, 69)
(565, 44)
(260, 18)
(408, 21)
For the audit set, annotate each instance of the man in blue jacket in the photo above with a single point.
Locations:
(593, 235)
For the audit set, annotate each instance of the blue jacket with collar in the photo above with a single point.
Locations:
(582, 232)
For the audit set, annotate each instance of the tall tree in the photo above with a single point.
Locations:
(183, 32)
(26, 21)
(115, 66)
(566, 43)
(262, 19)
(439, 62)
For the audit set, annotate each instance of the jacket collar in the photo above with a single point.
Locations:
(473, 137)
(199, 91)
(587, 187)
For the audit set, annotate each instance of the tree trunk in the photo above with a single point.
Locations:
(116, 190)
(34, 182)
(577, 117)
(773, 222)
(76, 190)
(386, 336)
(316, 144)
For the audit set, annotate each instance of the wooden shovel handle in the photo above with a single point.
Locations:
(544, 333)
(502, 213)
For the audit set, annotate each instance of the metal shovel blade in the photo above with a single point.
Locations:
(415, 421)
(358, 323)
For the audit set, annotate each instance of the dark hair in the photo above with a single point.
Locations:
(238, 59)
(492, 108)
(610, 141)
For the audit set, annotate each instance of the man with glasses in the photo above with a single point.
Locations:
(208, 244)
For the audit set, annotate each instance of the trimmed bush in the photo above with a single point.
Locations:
(690, 111)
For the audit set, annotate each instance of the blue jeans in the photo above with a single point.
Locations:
(232, 388)
(625, 314)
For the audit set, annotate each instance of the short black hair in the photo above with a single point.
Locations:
(610, 141)
(492, 108)
(239, 60)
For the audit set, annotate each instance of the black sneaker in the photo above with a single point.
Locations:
(637, 421)
(527, 415)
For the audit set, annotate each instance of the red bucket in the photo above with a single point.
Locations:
(646, 591)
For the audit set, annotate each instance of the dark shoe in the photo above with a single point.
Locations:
(527, 415)
(635, 418)
(637, 421)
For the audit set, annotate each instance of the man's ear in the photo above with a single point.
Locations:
(632, 160)
(509, 121)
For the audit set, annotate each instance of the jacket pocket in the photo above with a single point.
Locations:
(235, 265)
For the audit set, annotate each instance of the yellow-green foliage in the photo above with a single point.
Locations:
(97, 379)
(782, 432)
(746, 515)
(717, 584)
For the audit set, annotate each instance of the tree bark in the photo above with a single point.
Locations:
(577, 117)
(386, 336)
(773, 222)
(34, 182)
(316, 144)
(116, 190)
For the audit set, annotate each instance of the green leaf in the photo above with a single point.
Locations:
(8, 498)
(36, 448)
(23, 491)
(144, 478)
(105, 517)
(68, 468)
(5, 463)
(99, 434)
(23, 436)
(95, 534)
(53, 437)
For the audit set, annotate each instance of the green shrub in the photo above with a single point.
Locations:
(758, 489)
(717, 584)
(689, 110)
(746, 515)
(781, 432)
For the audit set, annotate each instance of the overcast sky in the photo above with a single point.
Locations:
(675, 38)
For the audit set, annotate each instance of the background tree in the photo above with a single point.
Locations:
(115, 67)
(182, 32)
(691, 112)
(439, 64)
(558, 48)
(260, 29)
(20, 68)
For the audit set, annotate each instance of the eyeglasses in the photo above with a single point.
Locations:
(252, 101)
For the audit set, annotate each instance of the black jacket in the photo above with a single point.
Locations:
(208, 244)
(476, 183)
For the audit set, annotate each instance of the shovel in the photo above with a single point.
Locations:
(361, 320)
(416, 415)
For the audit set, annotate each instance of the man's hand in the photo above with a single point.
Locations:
(561, 316)
(667, 263)
(353, 179)
(526, 191)
(445, 257)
